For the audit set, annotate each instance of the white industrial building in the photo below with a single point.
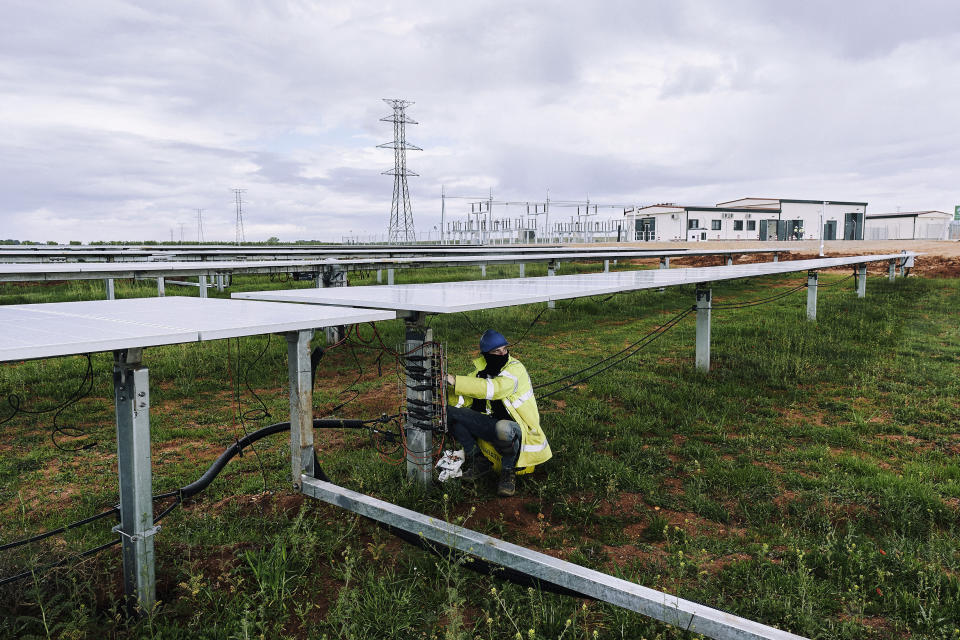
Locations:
(909, 225)
(751, 219)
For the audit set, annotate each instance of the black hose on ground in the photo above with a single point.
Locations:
(237, 447)
(443, 551)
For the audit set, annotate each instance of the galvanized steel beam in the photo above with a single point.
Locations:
(685, 614)
(301, 404)
(132, 402)
(704, 306)
(812, 281)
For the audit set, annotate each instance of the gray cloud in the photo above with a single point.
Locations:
(118, 119)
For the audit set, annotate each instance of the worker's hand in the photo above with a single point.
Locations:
(451, 380)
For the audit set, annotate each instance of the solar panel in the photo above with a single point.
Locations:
(453, 297)
(66, 328)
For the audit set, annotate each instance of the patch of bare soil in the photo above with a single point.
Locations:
(258, 504)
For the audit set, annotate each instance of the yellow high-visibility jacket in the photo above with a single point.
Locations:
(512, 385)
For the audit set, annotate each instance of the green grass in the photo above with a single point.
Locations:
(809, 481)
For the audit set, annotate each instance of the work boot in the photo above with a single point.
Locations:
(479, 467)
(508, 484)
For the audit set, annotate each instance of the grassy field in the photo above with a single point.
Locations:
(809, 481)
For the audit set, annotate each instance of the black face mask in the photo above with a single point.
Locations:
(495, 363)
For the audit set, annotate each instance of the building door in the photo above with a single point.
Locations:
(647, 229)
(830, 230)
(853, 226)
(783, 229)
(768, 229)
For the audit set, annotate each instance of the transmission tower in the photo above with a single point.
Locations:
(199, 225)
(401, 213)
(238, 197)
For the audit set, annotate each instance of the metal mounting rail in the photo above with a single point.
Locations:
(655, 604)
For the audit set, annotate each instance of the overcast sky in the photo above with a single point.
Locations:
(119, 119)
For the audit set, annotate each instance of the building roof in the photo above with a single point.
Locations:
(740, 209)
(909, 214)
(861, 204)
(675, 208)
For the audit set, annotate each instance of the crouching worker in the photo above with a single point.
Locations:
(493, 415)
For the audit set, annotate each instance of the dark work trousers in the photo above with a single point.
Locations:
(468, 426)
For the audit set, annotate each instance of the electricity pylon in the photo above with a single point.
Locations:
(401, 222)
(238, 199)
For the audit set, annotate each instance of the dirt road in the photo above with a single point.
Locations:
(940, 259)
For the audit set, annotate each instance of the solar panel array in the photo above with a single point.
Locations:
(21, 271)
(454, 297)
(67, 328)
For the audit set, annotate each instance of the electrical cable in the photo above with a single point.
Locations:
(83, 390)
(530, 326)
(639, 344)
(239, 414)
(758, 301)
(833, 284)
(475, 564)
(261, 412)
(194, 487)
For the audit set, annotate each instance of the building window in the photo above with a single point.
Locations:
(751, 225)
(693, 223)
(715, 225)
(738, 225)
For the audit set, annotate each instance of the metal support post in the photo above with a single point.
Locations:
(893, 270)
(906, 265)
(606, 266)
(379, 276)
(110, 291)
(776, 256)
(203, 286)
(333, 276)
(703, 329)
(862, 281)
(729, 260)
(161, 287)
(552, 271)
(132, 402)
(220, 282)
(523, 270)
(483, 271)
(390, 276)
(419, 441)
(301, 404)
(664, 264)
(812, 280)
